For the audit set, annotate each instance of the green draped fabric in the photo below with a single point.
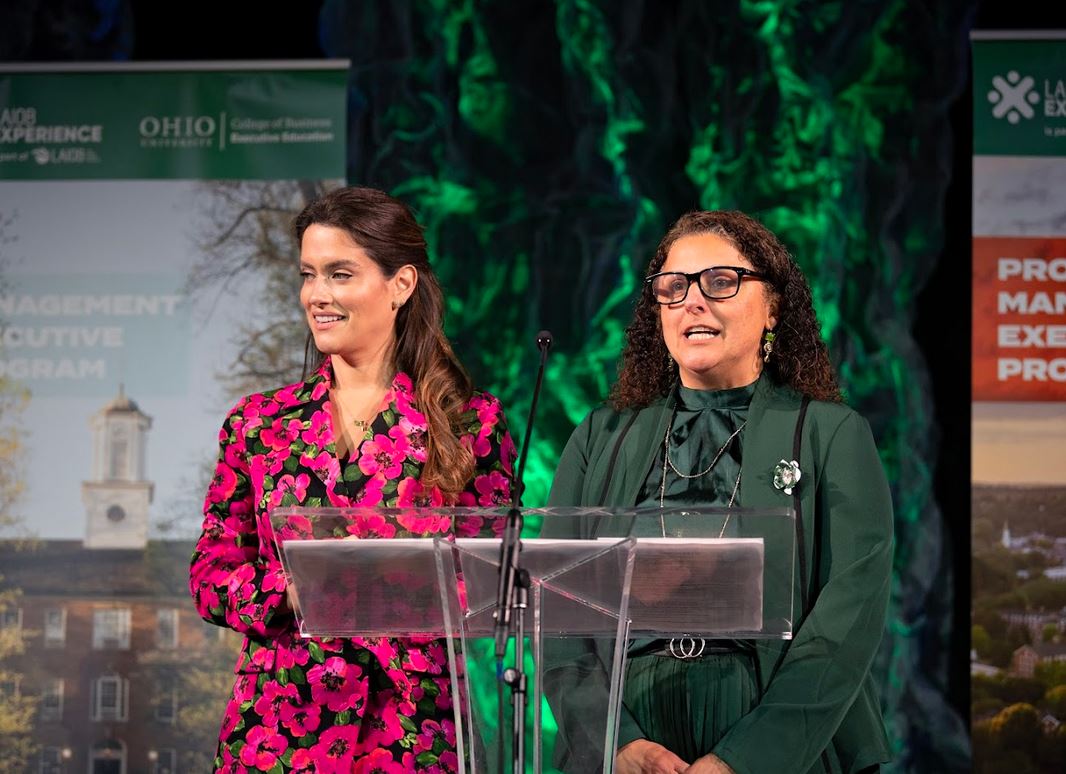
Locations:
(687, 706)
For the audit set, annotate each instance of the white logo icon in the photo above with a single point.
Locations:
(1013, 97)
(40, 155)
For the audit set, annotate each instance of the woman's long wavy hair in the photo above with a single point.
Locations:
(800, 357)
(385, 228)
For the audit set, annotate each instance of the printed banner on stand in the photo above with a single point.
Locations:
(1019, 401)
(118, 124)
(147, 271)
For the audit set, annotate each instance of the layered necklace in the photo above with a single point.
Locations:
(668, 463)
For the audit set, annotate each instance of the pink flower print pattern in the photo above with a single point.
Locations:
(384, 728)
(274, 697)
(223, 484)
(413, 427)
(336, 749)
(335, 684)
(380, 762)
(494, 490)
(508, 454)
(263, 748)
(281, 434)
(371, 493)
(324, 465)
(320, 433)
(300, 720)
(411, 493)
(432, 731)
(371, 525)
(304, 760)
(383, 454)
(298, 704)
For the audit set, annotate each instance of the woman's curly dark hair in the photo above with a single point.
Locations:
(800, 357)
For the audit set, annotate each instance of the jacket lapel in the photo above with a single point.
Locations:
(308, 403)
(767, 440)
(638, 452)
(772, 421)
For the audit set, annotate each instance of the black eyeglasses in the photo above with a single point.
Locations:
(715, 282)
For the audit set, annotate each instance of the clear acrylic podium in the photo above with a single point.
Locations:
(598, 578)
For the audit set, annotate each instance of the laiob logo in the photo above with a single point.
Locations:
(1013, 97)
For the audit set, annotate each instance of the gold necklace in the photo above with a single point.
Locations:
(362, 425)
(667, 462)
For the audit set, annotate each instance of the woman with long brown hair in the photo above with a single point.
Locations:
(726, 398)
(388, 418)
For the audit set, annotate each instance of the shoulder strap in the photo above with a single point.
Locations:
(614, 457)
(797, 505)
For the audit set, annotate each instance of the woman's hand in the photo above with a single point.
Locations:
(643, 757)
(290, 600)
(710, 764)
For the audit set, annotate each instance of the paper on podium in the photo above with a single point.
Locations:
(697, 586)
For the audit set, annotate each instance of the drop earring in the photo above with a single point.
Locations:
(768, 345)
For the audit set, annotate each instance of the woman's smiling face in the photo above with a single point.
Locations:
(348, 300)
(715, 342)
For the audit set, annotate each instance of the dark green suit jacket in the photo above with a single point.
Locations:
(819, 707)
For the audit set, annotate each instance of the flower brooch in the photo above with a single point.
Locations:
(787, 475)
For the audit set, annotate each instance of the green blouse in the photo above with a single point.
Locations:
(704, 421)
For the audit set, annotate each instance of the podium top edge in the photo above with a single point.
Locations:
(565, 510)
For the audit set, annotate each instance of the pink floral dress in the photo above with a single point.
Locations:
(328, 705)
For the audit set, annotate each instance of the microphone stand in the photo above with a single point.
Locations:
(512, 596)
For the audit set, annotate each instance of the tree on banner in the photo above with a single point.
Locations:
(246, 237)
(17, 711)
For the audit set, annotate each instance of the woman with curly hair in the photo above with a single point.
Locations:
(388, 418)
(721, 386)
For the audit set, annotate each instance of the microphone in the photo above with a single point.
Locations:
(510, 546)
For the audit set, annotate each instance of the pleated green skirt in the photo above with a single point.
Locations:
(688, 705)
